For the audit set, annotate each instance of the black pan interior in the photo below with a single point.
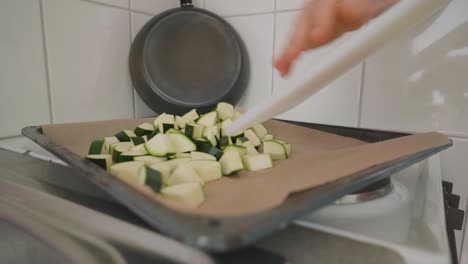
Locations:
(190, 58)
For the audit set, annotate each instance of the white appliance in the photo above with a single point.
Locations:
(408, 218)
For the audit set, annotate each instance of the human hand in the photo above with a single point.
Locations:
(323, 21)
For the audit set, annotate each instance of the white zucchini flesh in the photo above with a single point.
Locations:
(160, 145)
(119, 148)
(131, 172)
(183, 155)
(190, 194)
(208, 119)
(174, 163)
(276, 150)
(207, 170)
(181, 121)
(268, 137)
(213, 130)
(184, 173)
(257, 162)
(241, 149)
(224, 110)
(164, 168)
(231, 162)
(196, 155)
(139, 148)
(192, 115)
(182, 143)
(260, 130)
(250, 149)
(252, 137)
(150, 160)
(108, 141)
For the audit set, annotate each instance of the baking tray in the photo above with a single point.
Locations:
(220, 234)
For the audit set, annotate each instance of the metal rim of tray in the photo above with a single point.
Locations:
(229, 233)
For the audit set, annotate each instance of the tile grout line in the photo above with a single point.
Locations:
(130, 20)
(104, 4)
(361, 93)
(228, 16)
(272, 90)
(46, 60)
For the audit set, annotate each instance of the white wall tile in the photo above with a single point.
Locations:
(260, 50)
(419, 81)
(138, 21)
(289, 4)
(239, 7)
(88, 46)
(338, 103)
(23, 88)
(119, 3)
(455, 169)
(158, 6)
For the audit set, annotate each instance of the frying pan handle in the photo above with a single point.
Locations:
(186, 3)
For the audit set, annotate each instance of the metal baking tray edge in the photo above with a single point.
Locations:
(223, 234)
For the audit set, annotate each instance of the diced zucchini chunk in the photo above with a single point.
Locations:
(153, 179)
(184, 173)
(208, 119)
(108, 141)
(139, 148)
(164, 168)
(251, 150)
(257, 162)
(231, 163)
(207, 170)
(252, 137)
(132, 172)
(240, 149)
(189, 194)
(97, 147)
(144, 129)
(214, 130)
(182, 143)
(193, 130)
(192, 115)
(150, 160)
(125, 135)
(224, 110)
(119, 148)
(137, 140)
(130, 155)
(181, 121)
(207, 148)
(195, 155)
(160, 145)
(224, 142)
(174, 163)
(260, 130)
(268, 137)
(276, 150)
(102, 160)
(183, 155)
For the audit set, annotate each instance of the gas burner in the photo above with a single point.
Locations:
(372, 192)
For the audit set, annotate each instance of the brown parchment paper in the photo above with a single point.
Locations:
(317, 158)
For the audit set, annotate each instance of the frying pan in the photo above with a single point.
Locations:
(187, 58)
